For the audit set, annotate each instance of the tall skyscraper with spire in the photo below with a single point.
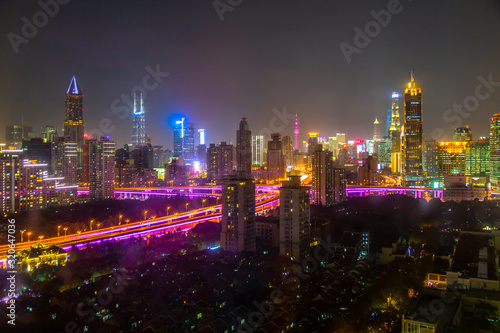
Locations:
(73, 118)
(376, 130)
(296, 131)
(244, 149)
(395, 121)
(395, 134)
(139, 136)
(413, 171)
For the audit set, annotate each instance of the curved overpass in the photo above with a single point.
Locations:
(171, 223)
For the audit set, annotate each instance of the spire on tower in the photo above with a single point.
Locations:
(73, 88)
(413, 75)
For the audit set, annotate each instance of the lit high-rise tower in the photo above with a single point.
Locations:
(188, 144)
(179, 136)
(376, 130)
(495, 152)
(395, 120)
(238, 214)
(73, 118)
(244, 149)
(296, 131)
(101, 168)
(395, 135)
(201, 136)
(295, 219)
(413, 133)
(139, 136)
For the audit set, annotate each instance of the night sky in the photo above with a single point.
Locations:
(264, 55)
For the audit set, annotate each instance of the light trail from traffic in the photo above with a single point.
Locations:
(267, 198)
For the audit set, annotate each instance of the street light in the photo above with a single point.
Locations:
(187, 204)
(22, 231)
(65, 229)
(120, 219)
(168, 208)
(58, 227)
(145, 214)
(29, 233)
(40, 238)
(98, 225)
(91, 221)
(203, 202)
(127, 221)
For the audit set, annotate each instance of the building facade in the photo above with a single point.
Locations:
(101, 168)
(413, 134)
(322, 177)
(139, 136)
(275, 158)
(295, 225)
(238, 213)
(244, 148)
(495, 152)
(258, 150)
(73, 120)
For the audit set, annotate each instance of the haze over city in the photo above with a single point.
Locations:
(260, 57)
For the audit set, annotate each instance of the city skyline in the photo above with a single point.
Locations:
(215, 94)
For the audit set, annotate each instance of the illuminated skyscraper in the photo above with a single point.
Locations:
(495, 152)
(341, 140)
(219, 161)
(73, 120)
(49, 133)
(339, 185)
(275, 158)
(451, 158)
(287, 150)
(101, 168)
(395, 119)
(296, 132)
(188, 144)
(244, 149)
(179, 136)
(201, 136)
(312, 143)
(10, 162)
(430, 162)
(413, 172)
(139, 136)
(295, 222)
(238, 214)
(184, 141)
(477, 158)
(388, 122)
(395, 135)
(376, 130)
(258, 150)
(462, 133)
(385, 152)
(322, 177)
